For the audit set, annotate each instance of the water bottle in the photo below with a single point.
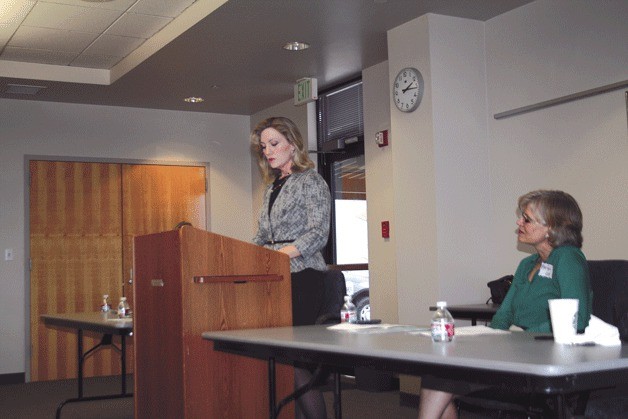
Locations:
(347, 312)
(105, 307)
(442, 324)
(124, 310)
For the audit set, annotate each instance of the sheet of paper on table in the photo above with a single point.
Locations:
(474, 331)
(376, 328)
(413, 330)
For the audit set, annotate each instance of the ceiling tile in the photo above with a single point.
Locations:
(51, 39)
(117, 46)
(72, 18)
(13, 12)
(37, 56)
(138, 26)
(169, 8)
(12, 18)
(95, 61)
(110, 5)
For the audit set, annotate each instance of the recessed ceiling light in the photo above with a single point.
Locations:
(296, 46)
(193, 99)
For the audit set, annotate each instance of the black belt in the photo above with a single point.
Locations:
(278, 241)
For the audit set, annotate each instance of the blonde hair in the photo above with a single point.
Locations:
(300, 159)
(557, 210)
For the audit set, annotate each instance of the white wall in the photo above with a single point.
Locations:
(413, 179)
(457, 172)
(542, 51)
(98, 132)
(461, 157)
(380, 194)
(443, 145)
(454, 224)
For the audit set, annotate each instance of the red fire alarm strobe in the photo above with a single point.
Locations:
(381, 138)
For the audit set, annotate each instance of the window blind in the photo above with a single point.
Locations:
(340, 113)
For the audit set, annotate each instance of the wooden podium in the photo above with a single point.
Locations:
(188, 281)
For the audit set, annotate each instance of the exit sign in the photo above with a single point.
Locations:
(306, 90)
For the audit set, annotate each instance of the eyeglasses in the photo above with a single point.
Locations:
(527, 219)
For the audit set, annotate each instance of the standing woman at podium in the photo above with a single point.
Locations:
(294, 219)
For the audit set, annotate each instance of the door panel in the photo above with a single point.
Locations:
(83, 217)
(76, 257)
(155, 199)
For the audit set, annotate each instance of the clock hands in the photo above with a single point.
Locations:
(410, 87)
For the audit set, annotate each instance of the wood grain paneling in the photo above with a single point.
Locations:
(76, 257)
(83, 217)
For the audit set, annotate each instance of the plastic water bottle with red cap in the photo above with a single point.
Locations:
(442, 324)
(348, 313)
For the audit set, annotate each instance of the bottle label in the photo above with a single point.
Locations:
(442, 330)
(348, 316)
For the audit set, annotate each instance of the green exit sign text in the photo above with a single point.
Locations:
(305, 90)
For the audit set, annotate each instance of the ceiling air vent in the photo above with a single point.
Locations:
(23, 89)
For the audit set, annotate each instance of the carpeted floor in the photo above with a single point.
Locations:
(40, 400)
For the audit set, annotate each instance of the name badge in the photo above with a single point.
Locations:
(546, 270)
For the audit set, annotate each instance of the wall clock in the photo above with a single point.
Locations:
(407, 89)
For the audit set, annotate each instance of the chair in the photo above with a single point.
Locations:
(609, 284)
(609, 281)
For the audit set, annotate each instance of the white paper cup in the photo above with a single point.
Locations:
(564, 316)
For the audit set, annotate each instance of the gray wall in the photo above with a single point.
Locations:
(97, 132)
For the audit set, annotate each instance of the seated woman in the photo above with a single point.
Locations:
(551, 222)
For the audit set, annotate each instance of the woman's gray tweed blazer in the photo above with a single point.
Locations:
(301, 213)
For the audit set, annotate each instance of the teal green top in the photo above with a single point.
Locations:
(565, 274)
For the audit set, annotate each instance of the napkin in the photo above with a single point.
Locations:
(598, 332)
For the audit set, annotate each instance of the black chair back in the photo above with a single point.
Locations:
(609, 283)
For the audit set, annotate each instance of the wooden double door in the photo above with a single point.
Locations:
(83, 217)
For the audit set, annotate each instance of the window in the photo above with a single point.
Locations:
(340, 114)
(341, 162)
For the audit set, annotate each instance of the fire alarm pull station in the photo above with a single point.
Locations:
(385, 229)
(381, 138)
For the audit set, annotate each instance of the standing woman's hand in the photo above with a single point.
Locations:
(290, 250)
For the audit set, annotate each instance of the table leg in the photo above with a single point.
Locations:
(123, 362)
(80, 363)
(271, 388)
(337, 396)
(561, 408)
(107, 340)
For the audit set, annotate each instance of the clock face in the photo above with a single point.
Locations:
(407, 89)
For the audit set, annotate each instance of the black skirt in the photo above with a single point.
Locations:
(307, 296)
